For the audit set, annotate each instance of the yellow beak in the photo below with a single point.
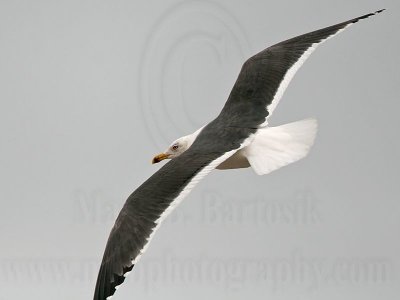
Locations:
(159, 158)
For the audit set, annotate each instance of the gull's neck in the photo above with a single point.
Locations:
(190, 138)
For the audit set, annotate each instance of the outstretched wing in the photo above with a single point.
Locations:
(265, 76)
(147, 206)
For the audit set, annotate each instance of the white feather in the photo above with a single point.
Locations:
(276, 147)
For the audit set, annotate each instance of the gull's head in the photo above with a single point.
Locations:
(174, 150)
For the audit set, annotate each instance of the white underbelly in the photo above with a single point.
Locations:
(236, 161)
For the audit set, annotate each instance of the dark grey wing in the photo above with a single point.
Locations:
(148, 205)
(265, 76)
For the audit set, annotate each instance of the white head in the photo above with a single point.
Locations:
(177, 147)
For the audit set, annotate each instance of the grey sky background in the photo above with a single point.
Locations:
(91, 90)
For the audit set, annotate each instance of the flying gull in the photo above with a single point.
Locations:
(239, 137)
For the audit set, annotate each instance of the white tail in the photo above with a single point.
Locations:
(276, 147)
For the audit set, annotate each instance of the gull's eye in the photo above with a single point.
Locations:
(175, 147)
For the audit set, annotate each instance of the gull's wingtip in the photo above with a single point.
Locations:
(378, 11)
(370, 14)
